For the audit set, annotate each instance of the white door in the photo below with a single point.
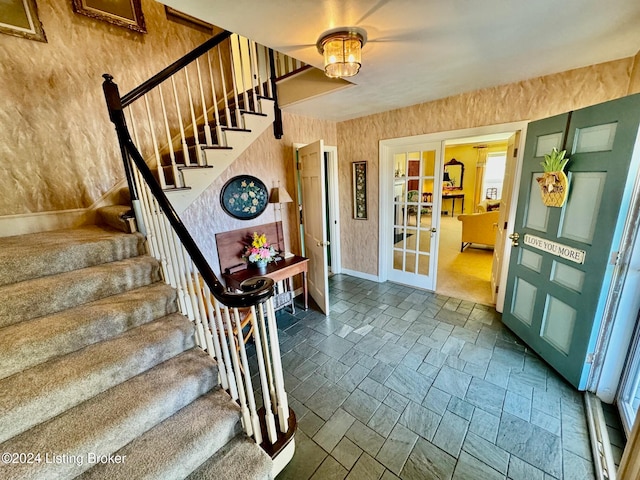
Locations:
(501, 234)
(417, 187)
(312, 176)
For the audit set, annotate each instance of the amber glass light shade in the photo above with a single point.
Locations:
(342, 53)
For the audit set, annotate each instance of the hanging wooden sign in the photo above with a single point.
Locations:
(557, 249)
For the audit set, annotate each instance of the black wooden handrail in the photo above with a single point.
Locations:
(256, 293)
(176, 66)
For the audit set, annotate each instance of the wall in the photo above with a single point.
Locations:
(270, 160)
(58, 148)
(527, 100)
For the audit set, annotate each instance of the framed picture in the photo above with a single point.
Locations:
(244, 197)
(20, 18)
(359, 190)
(124, 13)
(187, 20)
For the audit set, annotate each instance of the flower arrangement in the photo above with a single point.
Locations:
(258, 250)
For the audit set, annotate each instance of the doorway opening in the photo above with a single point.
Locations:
(467, 226)
(464, 197)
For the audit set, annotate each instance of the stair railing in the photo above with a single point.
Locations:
(216, 312)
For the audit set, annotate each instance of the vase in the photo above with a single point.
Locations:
(261, 265)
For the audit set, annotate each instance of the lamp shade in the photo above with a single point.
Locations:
(279, 195)
(446, 177)
(342, 52)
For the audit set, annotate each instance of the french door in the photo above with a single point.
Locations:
(413, 235)
(559, 275)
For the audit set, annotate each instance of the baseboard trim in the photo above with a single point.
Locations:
(362, 275)
(45, 221)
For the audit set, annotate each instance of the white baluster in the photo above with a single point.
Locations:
(172, 156)
(257, 433)
(224, 344)
(272, 432)
(283, 403)
(244, 410)
(220, 358)
(194, 123)
(225, 95)
(267, 354)
(205, 113)
(216, 114)
(234, 82)
(185, 147)
(253, 60)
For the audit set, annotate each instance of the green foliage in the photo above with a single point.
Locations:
(555, 161)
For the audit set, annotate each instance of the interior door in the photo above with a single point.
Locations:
(558, 276)
(312, 177)
(416, 212)
(502, 246)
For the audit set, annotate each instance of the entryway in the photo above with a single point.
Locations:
(437, 264)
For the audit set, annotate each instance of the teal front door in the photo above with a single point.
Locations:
(559, 273)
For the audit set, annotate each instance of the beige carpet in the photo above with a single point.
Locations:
(465, 275)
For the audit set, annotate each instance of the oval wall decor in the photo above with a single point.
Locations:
(244, 197)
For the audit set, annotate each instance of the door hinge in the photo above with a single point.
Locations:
(505, 225)
(590, 358)
(299, 165)
(613, 259)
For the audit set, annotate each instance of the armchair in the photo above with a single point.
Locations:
(479, 228)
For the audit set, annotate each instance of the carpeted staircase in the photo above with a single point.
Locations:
(100, 377)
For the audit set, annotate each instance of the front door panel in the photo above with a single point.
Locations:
(557, 273)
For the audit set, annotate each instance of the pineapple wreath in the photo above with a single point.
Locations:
(553, 183)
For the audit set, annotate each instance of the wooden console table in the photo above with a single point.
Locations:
(284, 269)
(453, 197)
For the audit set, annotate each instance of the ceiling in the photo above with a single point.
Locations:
(423, 50)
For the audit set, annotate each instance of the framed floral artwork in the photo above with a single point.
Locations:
(124, 13)
(359, 190)
(244, 197)
(20, 18)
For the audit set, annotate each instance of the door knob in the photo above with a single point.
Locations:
(434, 230)
(322, 244)
(515, 236)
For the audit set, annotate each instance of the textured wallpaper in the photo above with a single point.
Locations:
(58, 149)
(528, 100)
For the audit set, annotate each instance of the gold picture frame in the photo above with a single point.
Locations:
(20, 18)
(124, 13)
(187, 20)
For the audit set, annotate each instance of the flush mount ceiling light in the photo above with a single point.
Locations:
(342, 51)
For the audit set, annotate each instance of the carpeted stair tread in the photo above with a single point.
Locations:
(115, 216)
(23, 257)
(240, 459)
(177, 446)
(29, 343)
(46, 390)
(47, 295)
(106, 423)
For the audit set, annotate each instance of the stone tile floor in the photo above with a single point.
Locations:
(402, 383)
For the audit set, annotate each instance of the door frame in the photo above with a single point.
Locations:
(333, 205)
(385, 218)
(621, 306)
